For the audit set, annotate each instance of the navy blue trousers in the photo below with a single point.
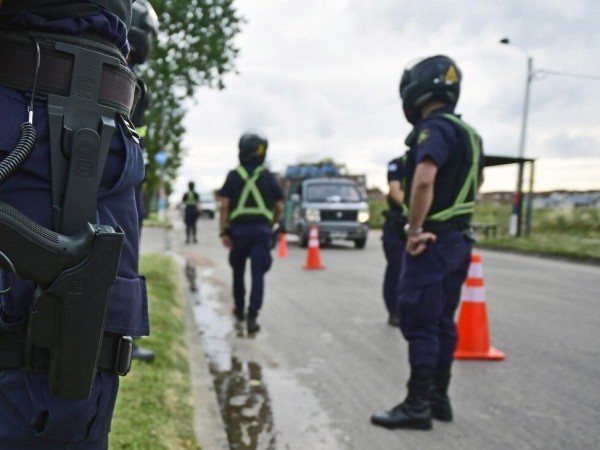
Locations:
(429, 294)
(250, 241)
(30, 417)
(190, 218)
(393, 248)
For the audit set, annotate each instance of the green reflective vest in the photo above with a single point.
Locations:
(250, 189)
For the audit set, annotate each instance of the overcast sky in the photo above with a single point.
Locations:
(320, 79)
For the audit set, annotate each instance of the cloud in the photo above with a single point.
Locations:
(321, 80)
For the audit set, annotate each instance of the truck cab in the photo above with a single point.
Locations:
(336, 205)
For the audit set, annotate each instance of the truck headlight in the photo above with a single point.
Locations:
(312, 215)
(363, 216)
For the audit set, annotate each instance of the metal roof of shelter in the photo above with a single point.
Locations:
(492, 160)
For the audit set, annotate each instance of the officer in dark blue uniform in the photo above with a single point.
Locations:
(393, 238)
(444, 171)
(251, 203)
(191, 202)
(141, 34)
(43, 43)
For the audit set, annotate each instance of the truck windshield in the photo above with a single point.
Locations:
(335, 192)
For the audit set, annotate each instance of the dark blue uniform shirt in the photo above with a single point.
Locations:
(436, 137)
(227, 190)
(105, 25)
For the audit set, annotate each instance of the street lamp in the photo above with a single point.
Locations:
(515, 222)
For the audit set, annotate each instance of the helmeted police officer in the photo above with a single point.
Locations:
(191, 202)
(251, 203)
(141, 34)
(393, 237)
(64, 70)
(444, 171)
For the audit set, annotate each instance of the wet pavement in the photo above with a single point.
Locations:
(262, 406)
(325, 358)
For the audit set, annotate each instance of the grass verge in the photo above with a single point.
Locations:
(155, 403)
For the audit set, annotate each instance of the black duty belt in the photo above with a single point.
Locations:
(115, 354)
(438, 227)
(18, 65)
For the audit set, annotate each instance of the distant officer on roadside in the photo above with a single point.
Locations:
(393, 238)
(444, 170)
(251, 203)
(191, 202)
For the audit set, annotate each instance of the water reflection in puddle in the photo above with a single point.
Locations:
(252, 398)
(241, 393)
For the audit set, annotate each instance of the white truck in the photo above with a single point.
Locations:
(335, 203)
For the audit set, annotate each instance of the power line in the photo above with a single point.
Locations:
(566, 74)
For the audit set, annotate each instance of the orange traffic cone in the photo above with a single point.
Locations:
(473, 334)
(282, 246)
(313, 258)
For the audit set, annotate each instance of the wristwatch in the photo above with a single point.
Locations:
(412, 233)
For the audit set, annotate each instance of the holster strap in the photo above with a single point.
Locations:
(115, 353)
(18, 63)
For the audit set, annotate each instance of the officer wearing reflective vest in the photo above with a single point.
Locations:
(65, 80)
(191, 202)
(444, 172)
(393, 237)
(251, 203)
(141, 34)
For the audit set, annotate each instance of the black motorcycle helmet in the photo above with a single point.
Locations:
(253, 148)
(434, 78)
(143, 29)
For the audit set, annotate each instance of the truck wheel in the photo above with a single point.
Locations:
(360, 243)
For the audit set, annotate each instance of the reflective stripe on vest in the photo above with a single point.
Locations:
(250, 188)
(461, 205)
(190, 198)
(142, 131)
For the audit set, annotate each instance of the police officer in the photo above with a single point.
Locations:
(444, 171)
(141, 34)
(44, 46)
(251, 203)
(393, 238)
(191, 202)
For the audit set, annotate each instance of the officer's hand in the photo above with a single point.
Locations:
(226, 240)
(415, 245)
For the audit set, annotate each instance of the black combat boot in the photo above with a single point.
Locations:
(252, 325)
(414, 412)
(441, 409)
(143, 354)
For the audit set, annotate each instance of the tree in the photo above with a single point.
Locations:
(194, 48)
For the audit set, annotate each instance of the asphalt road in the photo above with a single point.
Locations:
(325, 359)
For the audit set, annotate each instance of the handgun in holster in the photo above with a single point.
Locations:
(74, 275)
(74, 267)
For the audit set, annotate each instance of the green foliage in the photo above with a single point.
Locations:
(154, 407)
(376, 209)
(194, 48)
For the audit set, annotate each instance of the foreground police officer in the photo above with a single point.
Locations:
(444, 171)
(393, 238)
(251, 203)
(70, 57)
